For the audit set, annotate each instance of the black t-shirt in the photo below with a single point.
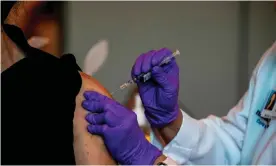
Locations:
(38, 102)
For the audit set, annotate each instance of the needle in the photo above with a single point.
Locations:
(146, 76)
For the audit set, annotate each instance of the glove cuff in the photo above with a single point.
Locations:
(163, 123)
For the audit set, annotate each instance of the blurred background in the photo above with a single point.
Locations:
(220, 43)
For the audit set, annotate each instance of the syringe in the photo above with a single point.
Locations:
(146, 76)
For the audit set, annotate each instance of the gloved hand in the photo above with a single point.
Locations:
(159, 94)
(119, 128)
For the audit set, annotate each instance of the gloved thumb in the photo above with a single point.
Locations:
(160, 76)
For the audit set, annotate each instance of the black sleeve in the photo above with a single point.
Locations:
(38, 102)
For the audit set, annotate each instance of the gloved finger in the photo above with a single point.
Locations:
(136, 69)
(160, 55)
(96, 119)
(146, 64)
(93, 106)
(160, 76)
(169, 84)
(97, 129)
(92, 95)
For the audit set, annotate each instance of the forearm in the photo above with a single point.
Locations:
(167, 133)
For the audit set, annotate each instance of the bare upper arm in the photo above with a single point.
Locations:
(88, 149)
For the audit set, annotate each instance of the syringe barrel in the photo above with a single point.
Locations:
(146, 76)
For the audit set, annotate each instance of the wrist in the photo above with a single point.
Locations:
(163, 160)
(147, 155)
(160, 123)
(160, 159)
(154, 154)
(169, 131)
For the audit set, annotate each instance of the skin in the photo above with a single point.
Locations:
(8, 54)
(47, 25)
(88, 148)
(20, 15)
(167, 133)
(160, 159)
(27, 16)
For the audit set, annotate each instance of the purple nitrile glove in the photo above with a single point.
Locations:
(120, 130)
(159, 95)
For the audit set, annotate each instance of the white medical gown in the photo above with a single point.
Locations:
(241, 137)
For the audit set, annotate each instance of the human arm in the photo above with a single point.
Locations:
(120, 130)
(165, 134)
(52, 86)
(89, 149)
(194, 142)
(216, 140)
(212, 140)
(159, 94)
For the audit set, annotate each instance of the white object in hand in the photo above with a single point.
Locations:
(140, 112)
